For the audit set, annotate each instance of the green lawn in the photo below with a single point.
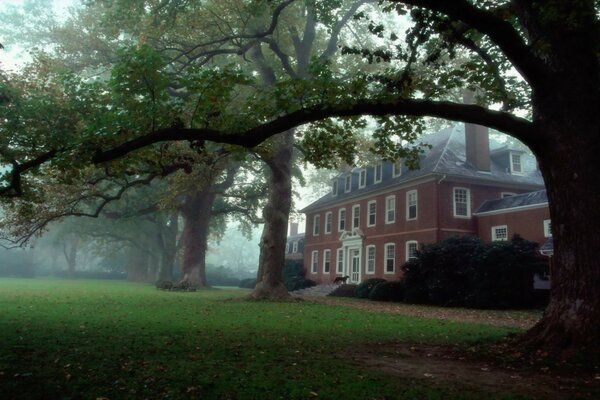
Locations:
(100, 339)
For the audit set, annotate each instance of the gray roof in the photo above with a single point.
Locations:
(511, 202)
(447, 156)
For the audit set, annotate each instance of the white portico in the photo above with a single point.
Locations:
(351, 255)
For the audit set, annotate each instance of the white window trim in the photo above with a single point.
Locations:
(407, 252)
(512, 169)
(314, 262)
(468, 195)
(347, 183)
(408, 205)
(367, 259)
(325, 254)
(340, 219)
(387, 220)
(329, 215)
(369, 213)
(378, 166)
(339, 264)
(356, 206)
(494, 229)
(362, 174)
(316, 224)
(547, 228)
(295, 247)
(385, 259)
(335, 188)
(394, 174)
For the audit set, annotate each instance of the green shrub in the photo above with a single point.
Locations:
(293, 276)
(345, 290)
(388, 291)
(249, 283)
(364, 288)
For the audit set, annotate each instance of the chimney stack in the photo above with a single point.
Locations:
(293, 228)
(477, 140)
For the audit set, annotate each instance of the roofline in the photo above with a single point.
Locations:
(512, 209)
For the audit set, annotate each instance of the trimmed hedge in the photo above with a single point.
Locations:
(345, 290)
(364, 288)
(388, 291)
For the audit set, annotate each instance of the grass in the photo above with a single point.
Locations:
(64, 339)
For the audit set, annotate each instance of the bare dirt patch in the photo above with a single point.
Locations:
(515, 319)
(448, 367)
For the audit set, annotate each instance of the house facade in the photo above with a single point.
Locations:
(294, 246)
(376, 217)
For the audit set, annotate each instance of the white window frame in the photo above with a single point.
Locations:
(334, 188)
(495, 237)
(386, 259)
(326, 261)
(316, 224)
(340, 261)
(314, 262)
(408, 204)
(468, 202)
(378, 173)
(287, 248)
(362, 178)
(355, 218)
(397, 169)
(519, 157)
(410, 243)
(370, 262)
(347, 183)
(547, 228)
(374, 214)
(328, 221)
(390, 208)
(295, 247)
(340, 219)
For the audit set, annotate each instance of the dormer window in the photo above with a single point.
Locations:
(397, 169)
(378, 172)
(362, 178)
(515, 164)
(347, 183)
(334, 189)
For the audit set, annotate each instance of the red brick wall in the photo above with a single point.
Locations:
(527, 223)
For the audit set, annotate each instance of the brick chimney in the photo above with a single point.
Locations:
(477, 140)
(293, 228)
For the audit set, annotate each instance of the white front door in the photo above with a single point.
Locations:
(354, 265)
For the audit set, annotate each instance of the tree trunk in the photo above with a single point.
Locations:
(169, 247)
(70, 246)
(269, 280)
(196, 219)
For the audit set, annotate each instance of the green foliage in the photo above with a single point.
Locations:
(294, 276)
(388, 291)
(364, 288)
(465, 271)
(345, 290)
(249, 283)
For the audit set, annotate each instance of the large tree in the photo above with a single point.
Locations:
(520, 54)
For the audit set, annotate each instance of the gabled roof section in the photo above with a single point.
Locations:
(509, 203)
(447, 156)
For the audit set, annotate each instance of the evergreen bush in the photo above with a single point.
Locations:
(364, 288)
(388, 291)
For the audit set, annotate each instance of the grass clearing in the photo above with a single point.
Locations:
(92, 339)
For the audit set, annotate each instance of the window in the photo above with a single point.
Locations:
(507, 194)
(347, 183)
(499, 232)
(340, 261)
(372, 216)
(326, 261)
(287, 248)
(411, 249)
(316, 224)
(411, 205)
(314, 261)
(362, 178)
(334, 189)
(462, 202)
(397, 169)
(370, 260)
(390, 258)
(378, 172)
(547, 228)
(328, 221)
(515, 164)
(341, 219)
(355, 216)
(390, 209)
(295, 247)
